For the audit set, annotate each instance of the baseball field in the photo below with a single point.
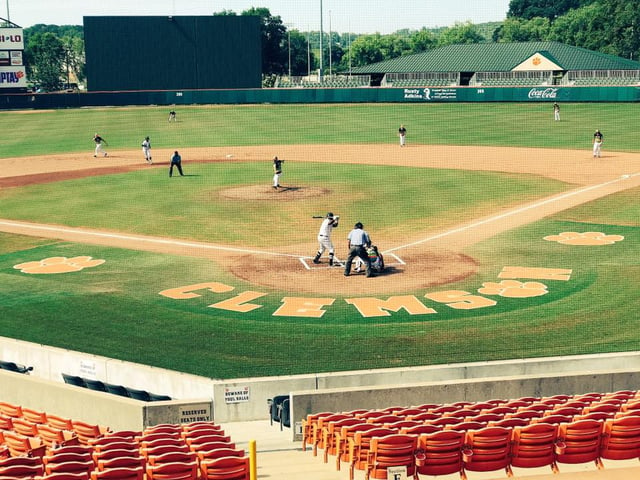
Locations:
(503, 237)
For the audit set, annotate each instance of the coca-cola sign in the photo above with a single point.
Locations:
(539, 93)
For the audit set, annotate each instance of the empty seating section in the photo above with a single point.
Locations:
(33, 447)
(512, 79)
(328, 81)
(495, 435)
(123, 391)
(424, 79)
(604, 78)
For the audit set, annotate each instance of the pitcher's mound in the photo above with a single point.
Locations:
(265, 192)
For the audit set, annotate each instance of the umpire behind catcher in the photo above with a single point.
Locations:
(358, 241)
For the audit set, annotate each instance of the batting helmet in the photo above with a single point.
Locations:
(330, 215)
(358, 225)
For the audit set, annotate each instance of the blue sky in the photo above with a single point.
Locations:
(357, 16)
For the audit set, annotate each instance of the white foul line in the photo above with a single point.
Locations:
(512, 212)
(158, 241)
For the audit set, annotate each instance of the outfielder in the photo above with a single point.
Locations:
(99, 141)
(324, 237)
(146, 150)
(598, 138)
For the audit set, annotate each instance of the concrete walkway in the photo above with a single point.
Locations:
(281, 459)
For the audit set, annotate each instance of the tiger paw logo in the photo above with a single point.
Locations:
(587, 238)
(58, 265)
(514, 289)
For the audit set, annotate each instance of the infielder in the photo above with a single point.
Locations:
(277, 172)
(146, 150)
(402, 133)
(598, 138)
(99, 141)
(556, 112)
(324, 237)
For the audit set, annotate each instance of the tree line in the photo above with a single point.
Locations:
(55, 54)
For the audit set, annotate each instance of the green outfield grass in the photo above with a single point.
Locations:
(116, 310)
(508, 124)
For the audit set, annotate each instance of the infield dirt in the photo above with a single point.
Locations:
(434, 259)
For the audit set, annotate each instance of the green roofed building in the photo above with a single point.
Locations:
(504, 64)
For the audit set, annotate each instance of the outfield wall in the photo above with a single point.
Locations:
(245, 399)
(322, 95)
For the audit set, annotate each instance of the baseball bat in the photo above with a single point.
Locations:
(317, 216)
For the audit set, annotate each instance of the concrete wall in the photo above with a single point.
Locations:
(246, 399)
(119, 413)
(478, 389)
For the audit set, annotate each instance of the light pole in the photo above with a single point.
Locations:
(308, 52)
(321, 46)
(288, 25)
(289, 41)
(8, 15)
(330, 42)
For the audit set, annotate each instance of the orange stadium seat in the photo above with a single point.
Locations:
(579, 442)
(20, 445)
(329, 434)
(219, 453)
(509, 422)
(225, 468)
(69, 467)
(120, 462)
(344, 436)
(118, 474)
(87, 432)
(534, 446)
(115, 453)
(419, 429)
(173, 471)
(487, 449)
(621, 438)
(465, 425)
(10, 410)
(308, 427)
(60, 423)
(34, 416)
(391, 451)
(171, 457)
(439, 453)
(209, 446)
(53, 437)
(359, 447)
(552, 419)
(25, 427)
(317, 437)
(65, 476)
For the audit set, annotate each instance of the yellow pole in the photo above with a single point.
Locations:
(253, 467)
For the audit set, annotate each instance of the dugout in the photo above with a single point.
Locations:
(172, 52)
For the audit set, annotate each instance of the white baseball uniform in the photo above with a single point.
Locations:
(146, 150)
(597, 143)
(324, 238)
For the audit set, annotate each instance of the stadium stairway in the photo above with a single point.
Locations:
(280, 458)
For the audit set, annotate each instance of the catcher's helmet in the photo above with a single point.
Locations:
(330, 215)
(358, 225)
